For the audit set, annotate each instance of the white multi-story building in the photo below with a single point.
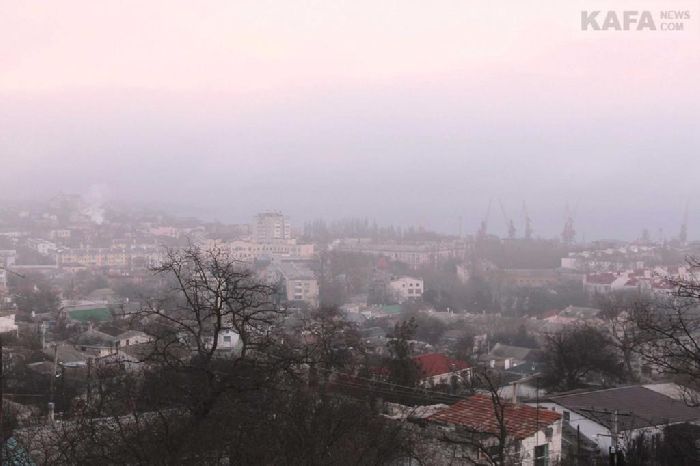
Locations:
(298, 281)
(8, 257)
(249, 251)
(270, 227)
(42, 246)
(7, 322)
(405, 288)
(94, 257)
(413, 254)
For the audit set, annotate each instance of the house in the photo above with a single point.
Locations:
(439, 369)
(7, 322)
(67, 355)
(533, 434)
(633, 410)
(95, 343)
(228, 339)
(603, 283)
(131, 337)
(521, 382)
(87, 312)
(506, 356)
(573, 315)
(405, 288)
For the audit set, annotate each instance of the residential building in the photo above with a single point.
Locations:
(95, 343)
(299, 283)
(506, 356)
(628, 412)
(405, 288)
(249, 251)
(131, 337)
(270, 227)
(8, 257)
(94, 257)
(42, 246)
(573, 315)
(440, 369)
(533, 435)
(7, 322)
(603, 283)
(413, 254)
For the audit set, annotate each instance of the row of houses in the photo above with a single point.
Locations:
(586, 427)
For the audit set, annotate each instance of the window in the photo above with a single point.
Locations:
(542, 455)
(227, 339)
(567, 416)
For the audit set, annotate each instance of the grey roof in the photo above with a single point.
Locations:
(580, 312)
(67, 354)
(295, 271)
(637, 407)
(94, 338)
(501, 351)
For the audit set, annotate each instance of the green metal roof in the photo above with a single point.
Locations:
(100, 314)
(392, 308)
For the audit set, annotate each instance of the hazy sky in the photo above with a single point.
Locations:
(404, 111)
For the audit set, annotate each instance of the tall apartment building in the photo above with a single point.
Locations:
(270, 227)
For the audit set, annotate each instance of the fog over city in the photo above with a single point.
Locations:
(400, 112)
(350, 232)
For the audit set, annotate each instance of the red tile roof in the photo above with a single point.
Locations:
(434, 364)
(477, 413)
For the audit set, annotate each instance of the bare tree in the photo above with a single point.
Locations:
(618, 309)
(670, 332)
(575, 353)
(201, 399)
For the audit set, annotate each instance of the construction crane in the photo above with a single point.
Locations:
(569, 233)
(509, 223)
(683, 235)
(528, 222)
(483, 228)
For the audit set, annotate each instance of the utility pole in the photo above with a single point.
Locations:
(614, 430)
(53, 373)
(89, 381)
(578, 444)
(614, 437)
